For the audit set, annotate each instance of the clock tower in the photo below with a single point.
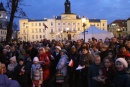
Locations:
(67, 7)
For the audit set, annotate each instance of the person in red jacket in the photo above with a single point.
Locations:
(45, 65)
(48, 53)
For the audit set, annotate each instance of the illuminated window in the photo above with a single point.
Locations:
(32, 36)
(39, 30)
(58, 23)
(51, 23)
(39, 24)
(32, 30)
(36, 36)
(59, 29)
(40, 36)
(35, 24)
(51, 30)
(103, 24)
(78, 29)
(36, 31)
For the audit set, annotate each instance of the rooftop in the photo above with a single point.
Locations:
(121, 23)
(94, 20)
(33, 20)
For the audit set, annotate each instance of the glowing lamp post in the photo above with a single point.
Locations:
(83, 21)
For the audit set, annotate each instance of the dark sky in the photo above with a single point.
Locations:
(100, 9)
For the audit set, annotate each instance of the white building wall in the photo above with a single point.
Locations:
(31, 32)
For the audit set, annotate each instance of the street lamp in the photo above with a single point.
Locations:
(83, 21)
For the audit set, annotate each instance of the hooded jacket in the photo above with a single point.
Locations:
(62, 64)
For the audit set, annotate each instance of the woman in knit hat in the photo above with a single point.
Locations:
(122, 78)
(11, 66)
(43, 57)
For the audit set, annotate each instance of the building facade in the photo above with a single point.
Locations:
(128, 26)
(63, 27)
(119, 28)
(3, 22)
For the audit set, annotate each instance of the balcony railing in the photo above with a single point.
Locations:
(52, 32)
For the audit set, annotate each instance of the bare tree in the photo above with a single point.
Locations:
(13, 9)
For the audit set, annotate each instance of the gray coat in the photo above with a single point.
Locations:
(62, 64)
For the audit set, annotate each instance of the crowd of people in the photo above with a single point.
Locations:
(95, 63)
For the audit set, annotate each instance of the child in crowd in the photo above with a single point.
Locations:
(93, 72)
(107, 73)
(122, 78)
(36, 73)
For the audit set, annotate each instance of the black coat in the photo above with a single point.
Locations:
(122, 79)
(22, 79)
(93, 71)
(15, 53)
(3, 58)
(54, 62)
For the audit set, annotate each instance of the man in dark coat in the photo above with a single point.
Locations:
(14, 52)
(33, 52)
(85, 61)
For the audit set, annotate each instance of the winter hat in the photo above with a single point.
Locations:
(7, 46)
(20, 60)
(58, 47)
(123, 61)
(13, 58)
(36, 59)
(63, 50)
(5, 50)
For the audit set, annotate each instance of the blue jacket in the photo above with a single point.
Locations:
(5, 82)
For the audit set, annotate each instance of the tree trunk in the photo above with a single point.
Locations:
(9, 30)
(10, 25)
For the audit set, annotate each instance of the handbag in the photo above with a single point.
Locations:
(59, 77)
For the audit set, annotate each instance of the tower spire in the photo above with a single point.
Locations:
(67, 7)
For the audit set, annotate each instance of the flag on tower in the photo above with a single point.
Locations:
(45, 26)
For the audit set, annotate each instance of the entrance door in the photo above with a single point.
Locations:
(69, 36)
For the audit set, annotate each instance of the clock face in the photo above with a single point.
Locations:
(67, 5)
